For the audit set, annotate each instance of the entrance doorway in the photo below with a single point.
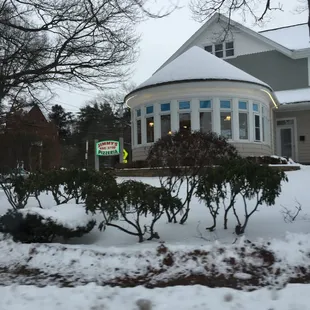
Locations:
(286, 138)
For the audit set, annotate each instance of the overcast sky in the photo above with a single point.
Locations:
(160, 38)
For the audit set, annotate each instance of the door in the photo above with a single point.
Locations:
(285, 141)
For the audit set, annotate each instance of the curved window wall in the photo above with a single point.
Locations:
(237, 119)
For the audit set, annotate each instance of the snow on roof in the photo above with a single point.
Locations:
(293, 96)
(197, 64)
(293, 37)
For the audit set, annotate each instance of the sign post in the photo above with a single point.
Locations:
(96, 157)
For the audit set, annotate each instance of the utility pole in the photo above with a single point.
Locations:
(121, 138)
(96, 157)
(86, 154)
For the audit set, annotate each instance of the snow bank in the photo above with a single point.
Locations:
(91, 297)
(68, 215)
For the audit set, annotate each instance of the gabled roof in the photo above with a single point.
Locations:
(295, 37)
(217, 17)
(198, 65)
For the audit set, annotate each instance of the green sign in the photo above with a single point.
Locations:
(107, 148)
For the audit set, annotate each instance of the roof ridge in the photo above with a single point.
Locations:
(283, 27)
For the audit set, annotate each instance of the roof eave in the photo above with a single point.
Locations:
(192, 81)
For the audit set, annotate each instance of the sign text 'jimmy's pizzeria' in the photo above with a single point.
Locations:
(107, 148)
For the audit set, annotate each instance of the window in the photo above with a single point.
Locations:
(149, 129)
(138, 126)
(165, 107)
(226, 125)
(229, 49)
(206, 121)
(263, 124)
(139, 132)
(243, 120)
(184, 105)
(219, 50)
(225, 104)
(243, 126)
(149, 109)
(185, 122)
(255, 107)
(285, 122)
(257, 127)
(165, 121)
(243, 105)
(205, 104)
(209, 48)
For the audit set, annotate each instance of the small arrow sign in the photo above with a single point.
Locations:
(125, 155)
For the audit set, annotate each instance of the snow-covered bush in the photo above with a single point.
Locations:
(44, 225)
(239, 177)
(129, 202)
(186, 155)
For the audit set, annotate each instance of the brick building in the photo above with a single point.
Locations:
(30, 137)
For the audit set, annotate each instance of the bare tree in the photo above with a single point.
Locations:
(76, 42)
(258, 10)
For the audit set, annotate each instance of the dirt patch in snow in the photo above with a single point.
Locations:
(247, 267)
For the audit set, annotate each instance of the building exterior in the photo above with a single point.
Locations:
(279, 59)
(31, 138)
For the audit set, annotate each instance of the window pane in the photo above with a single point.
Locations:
(225, 104)
(226, 125)
(264, 128)
(219, 47)
(229, 45)
(184, 105)
(205, 104)
(219, 54)
(243, 105)
(149, 109)
(205, 121)
(243, 126)
(139, 133)
(185, 122)
(230, 53)
(208, 48)
(165, 107)
(150, 129)
(255, 107)
(165, 121)
(138, 112)
(285, 122)
(257, 128)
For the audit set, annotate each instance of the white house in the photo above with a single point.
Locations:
(254, 90)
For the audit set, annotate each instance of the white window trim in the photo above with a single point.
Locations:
(257, 113)
(223, 49)
(231, 109)
(160, 112)
(206, 110)
(146, 116)
(136, 118)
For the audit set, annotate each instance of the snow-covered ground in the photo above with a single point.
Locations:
(92, 297)
(106, 256)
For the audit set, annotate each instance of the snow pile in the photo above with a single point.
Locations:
(266, 261)
(91, 297)
(70, 215)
